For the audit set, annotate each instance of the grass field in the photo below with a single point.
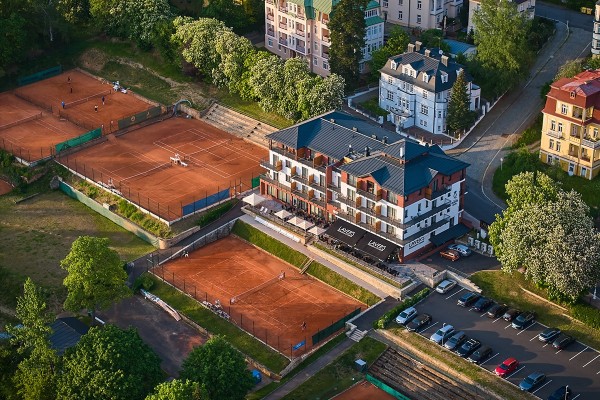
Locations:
(340, 374)
(506, 288)
(341, 283)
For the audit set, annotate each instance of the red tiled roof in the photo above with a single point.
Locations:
(585, 85)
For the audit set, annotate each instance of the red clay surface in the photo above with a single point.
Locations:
(5, 187)
(50, 92)
(275, 312)
(139, 164)
(364, 391)
(33, 139)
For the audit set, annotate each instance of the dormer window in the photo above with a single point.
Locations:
(425, 77)
(444, 78)
(572, 95)
(394, 65)
(406, 71)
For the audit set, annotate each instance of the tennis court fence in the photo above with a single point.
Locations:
(29, 156)
(39, 103)
(22, 121)
(40, 75)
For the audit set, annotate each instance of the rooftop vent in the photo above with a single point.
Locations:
(350, 151)
(332, 121)
(427, 53)
(367, 153)
(385, 139)
(418, 45)
(374, 137)
(445, 60)
(354, 129)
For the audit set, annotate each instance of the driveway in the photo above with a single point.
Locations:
(465, 265)
(574, 18)
(171, 340)
(577, 366)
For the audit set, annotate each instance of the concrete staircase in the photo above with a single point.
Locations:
(238, 124)
(356, 334)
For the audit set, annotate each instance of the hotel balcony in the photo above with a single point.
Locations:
(326, 39)
(555, 134)
(265, 163)
(430, 195)
(334, 188)
(300, 32)
(301, 49)
(299, 178)
(283, 41)
(319, 202)
(585, 157)
(422, 217)
(271, 33)
(587, 142)
(317, 186)
(283, 25)
(283, 152)
(273, 182)
(270, 17)
(424, 231)
(325, 55)
(347, 201)
(370, 211)
(574, 153)
(369, 195)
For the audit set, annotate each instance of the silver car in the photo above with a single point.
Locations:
(461, 248)
(406, 316)
(445, 286)
(442, 334)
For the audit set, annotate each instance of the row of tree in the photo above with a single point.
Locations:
(227, 60)
(548, 233)
(108, 362)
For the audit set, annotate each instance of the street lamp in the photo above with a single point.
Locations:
(501, 161)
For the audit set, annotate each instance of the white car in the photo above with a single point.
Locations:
(442, 334)
(406, 316)
(462, 249)
(445, 286)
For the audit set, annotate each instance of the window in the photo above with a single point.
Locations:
(439, 114)
(288, 178)
(400, 2)
(385, 4)
(564, 109)
(390, 80)
(270, 42)
(400, 15)
(419, 4)
(552, 125)
(390, 229)
(390, 95)
(424, 109)
(595, 133)
(425, 77)
(560, 127)
(325, 65)
(551, 144)
(418, 18)
(583, 172)
(288, 163)
(444, 77)
(557, 146)
(419, 208)
(315, 61)
(425, 94)
(352, 180)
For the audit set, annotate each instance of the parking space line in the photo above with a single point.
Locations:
(496, 320)
(577, 396)
(507, 325)
(482, 315)
(579, 353)
(546, 345)
(558, 351)
(427, 327)
(540, 388)
(492, 357)
(534, 337)
(523, 330)
(519, 369)
(591, 361)
(457, 292)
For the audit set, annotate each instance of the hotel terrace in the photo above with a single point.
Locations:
(374, 183)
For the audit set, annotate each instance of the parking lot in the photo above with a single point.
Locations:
(466, 265)
(577, 366)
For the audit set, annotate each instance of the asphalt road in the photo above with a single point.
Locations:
(577, 366)
(575, 19)
(465, 265)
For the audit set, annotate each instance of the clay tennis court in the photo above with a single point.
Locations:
(364, 391)
(51, 92)
(30, 133)
(274, 312)
(139, 164)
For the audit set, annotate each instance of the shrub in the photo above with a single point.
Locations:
(137, 216)
(386, 318)
(530, 135)
(143, 281)
(214, 214)
(126, 209)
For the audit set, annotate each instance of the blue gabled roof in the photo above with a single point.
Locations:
(66, 333)
(457, 47)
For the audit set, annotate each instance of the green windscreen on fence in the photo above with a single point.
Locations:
(331, 329)
(86, 137)
(255, 182)
(38, 76)
(386, 388)
(140, 117)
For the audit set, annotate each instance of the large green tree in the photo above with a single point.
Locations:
(396, 44)
(347, 27)
(501, 39)
(220, 369)
(231, 12)
(233, 50)
(95, 276)
(177, 389)
(109, 363)
(460, 116)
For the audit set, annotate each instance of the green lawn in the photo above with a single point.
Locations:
(341, 283)
(506, 288)
(217, 325)
(251, 109)
(339, 375)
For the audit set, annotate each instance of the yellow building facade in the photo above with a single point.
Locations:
(571, 126)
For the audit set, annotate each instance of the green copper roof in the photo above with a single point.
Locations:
(372, 4)
(325, 6)
(374, 20)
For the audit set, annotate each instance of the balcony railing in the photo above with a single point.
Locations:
(419, 218)
(300, 179)
(270, 17)
(272, 2)
(424, 231)
(347, 201)
(594, 144)
(585, 157)
(326, 56)
(574, 153)
(299, 193)
(316, 185)
(283, 25)
(283, 152)
(334, 188)
(301, 49)
(369, 195)
(273, 182)
(283, 41)
(368, 210)
(266, 164)
(555, 134)
(271, 33)
(431, 195)
(318, 202)
(326, 39)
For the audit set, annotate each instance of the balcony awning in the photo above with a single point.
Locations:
(376, 246)
(345, 232)
(454, 232)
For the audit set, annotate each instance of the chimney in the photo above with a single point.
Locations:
(411, 47)
(384, 140)
(374, 137)
(332, 121)
(367, 154)
(418, 45)
(350, 151)
(427, 52)
(354, 129)
(445, 60)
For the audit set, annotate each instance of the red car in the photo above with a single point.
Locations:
(509, 365)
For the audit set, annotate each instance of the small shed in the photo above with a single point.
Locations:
(360, 365)
(257, 376)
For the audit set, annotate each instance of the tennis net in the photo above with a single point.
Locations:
(86, 99)
(256, 288)
(148, 172)
(21, 121)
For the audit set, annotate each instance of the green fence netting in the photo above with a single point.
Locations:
(38, 76)
(386, 388)
(255, 182)
(331, 329)
(86, 137)
(140, 117)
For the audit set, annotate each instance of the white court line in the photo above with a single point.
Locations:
(591, 361)
(517, 370)
(427, 327)
(541, 387)
(457, 292)
(491, 357)
(523, 330)
(579, 353)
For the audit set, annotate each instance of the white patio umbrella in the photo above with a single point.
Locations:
(304, 224)
(295, 220)
(253, 199)
(283, 214)
(316, 230)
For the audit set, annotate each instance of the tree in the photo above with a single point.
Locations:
(244, 87)
(95, 276)
(109, 363)
(501, 39)
(267, 83)
(325, 95)
(233, 51)
(434, 38)
(13, 39)
(295, 70)
(460, 116)
(347, 27)
(396, 44)
(177, 389)
(220, 369)
(74, 11)
(230, 11)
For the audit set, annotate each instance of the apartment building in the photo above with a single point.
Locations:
(571, 123)
(415, 86)
(596, 31)
(298, 28)
(423, 14)
(404, 196)
(523, 6)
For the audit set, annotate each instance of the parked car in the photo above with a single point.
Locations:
(532, 381)
(511, 314)
(456, 340)
(442, 334)
(468, 347)
(507, 367)
(562, 393)
(562, 341)
(406, 316)
(445, 286)
(468, 299)
(461, 248)
(480, 355)
(524, 320)
(482, 304)
(418, 322)
(548, 335)
(451, 255)
(497, 310)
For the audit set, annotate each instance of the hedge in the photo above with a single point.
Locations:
(386, 318)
